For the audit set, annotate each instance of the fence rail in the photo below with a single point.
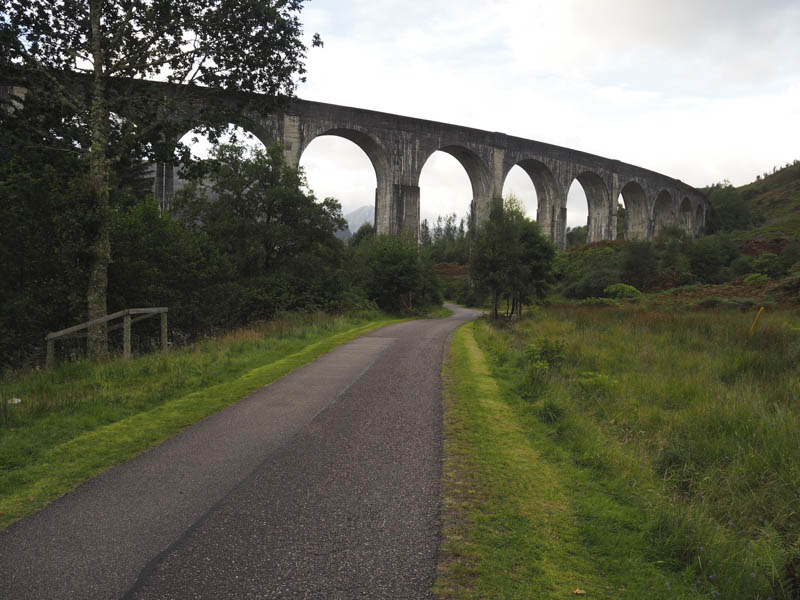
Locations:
(127, 321)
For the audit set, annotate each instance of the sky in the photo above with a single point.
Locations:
(700, 90)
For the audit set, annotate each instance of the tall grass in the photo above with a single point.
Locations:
(153, 377)
(84, 417)
(687, 416)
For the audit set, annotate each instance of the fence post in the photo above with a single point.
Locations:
(126, 337)
(50, 360)
(164, 345)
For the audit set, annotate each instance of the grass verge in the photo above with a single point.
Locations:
(84, 418)
(680, 415)
(521, 518)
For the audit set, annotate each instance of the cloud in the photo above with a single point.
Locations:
(701, 91)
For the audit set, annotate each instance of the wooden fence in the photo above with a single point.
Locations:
(127, 321)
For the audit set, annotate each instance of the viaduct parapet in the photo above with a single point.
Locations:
(399, 146)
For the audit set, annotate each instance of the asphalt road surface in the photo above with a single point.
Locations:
(324, 484)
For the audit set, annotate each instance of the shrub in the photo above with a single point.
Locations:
(709, 255)
(551, 411)
(541, 358)
(756, 279)
(745, 304)
(742, 265)
(710, 302)
(394, 274)
(599, 302)
(790, 254)
(791, 284)
(596, 385)
(639, 263)
(535, 377)
(621, 290)
(770, 264)
(551, 352)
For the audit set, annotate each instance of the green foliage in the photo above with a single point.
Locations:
(551, 411)
(756, 279)
(622, 221)
(639, 263)
(770, 264)
(730, 211)
(621, 290)
(45, 44)
(577, 236)
(708, 257)
(365, 232)
(249, 244)
(707, 452)
(446, 242)
(394, 274)
(548, 350)
(272, 247)
(773, 200)
(531, 508)
(596, 385)
(587, 271)
(593, 282)
(742, 265)
(46, 222)
(511, 259)
(540, 359)
(710, 302)
(599, 302)
(791, 284)
(790, 255)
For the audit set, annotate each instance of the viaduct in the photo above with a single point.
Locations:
(399, 146)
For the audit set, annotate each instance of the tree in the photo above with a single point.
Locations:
(639, 263)
(425, 239)
(577, 236)
(729, 209)
(254, 209)
(511, 258)
(365, 232)
(622, 219)
(394, 274)
(709, 255)
(227, 44)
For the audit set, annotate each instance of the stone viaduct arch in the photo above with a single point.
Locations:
(399, 146)
(405, 144)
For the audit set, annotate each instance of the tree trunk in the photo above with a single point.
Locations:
(99, 176)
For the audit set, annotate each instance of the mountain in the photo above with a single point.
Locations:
(355, 219)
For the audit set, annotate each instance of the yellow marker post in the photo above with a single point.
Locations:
(753, 327)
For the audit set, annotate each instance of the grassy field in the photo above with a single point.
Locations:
(626, 453)
(82, 418)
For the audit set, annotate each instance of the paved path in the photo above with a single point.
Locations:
(324, 484)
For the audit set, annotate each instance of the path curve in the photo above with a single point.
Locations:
(323, 484)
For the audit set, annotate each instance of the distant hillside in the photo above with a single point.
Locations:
(770, 206)
(355, 219)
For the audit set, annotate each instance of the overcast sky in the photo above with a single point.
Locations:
(701, 90)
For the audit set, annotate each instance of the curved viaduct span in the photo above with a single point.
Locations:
(399, 146)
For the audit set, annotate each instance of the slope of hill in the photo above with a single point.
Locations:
(774, 201)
